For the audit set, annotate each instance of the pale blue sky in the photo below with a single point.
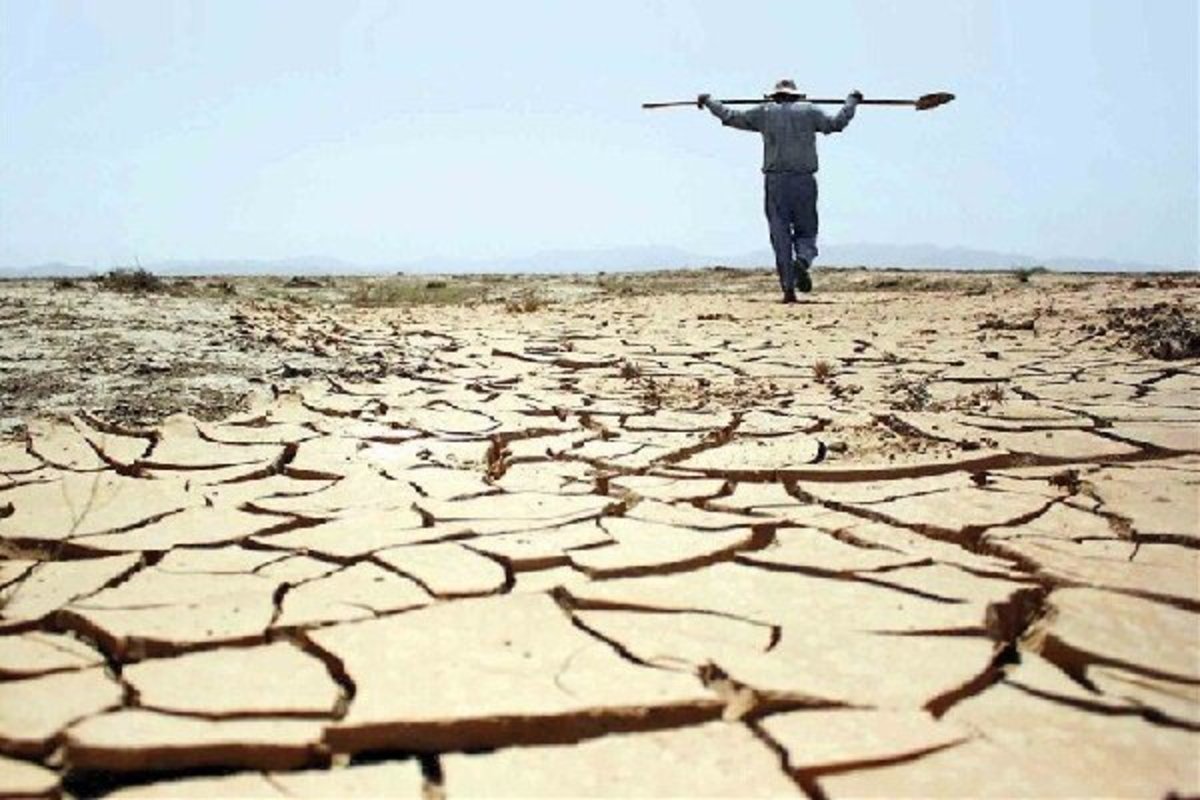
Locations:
(391, 131)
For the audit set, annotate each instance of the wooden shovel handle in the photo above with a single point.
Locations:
(922, 103)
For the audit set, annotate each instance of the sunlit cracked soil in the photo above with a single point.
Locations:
(880, 544)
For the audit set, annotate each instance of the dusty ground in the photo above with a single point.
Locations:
(924, 535)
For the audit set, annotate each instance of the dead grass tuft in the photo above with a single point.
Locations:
(630, 371)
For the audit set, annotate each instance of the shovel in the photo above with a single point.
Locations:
(922, 103)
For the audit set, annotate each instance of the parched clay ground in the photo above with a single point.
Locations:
(647, 539)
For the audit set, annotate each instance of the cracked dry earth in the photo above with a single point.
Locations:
(626, 547)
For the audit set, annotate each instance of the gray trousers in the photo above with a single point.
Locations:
(791, 206)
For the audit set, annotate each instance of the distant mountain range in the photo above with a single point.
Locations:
(622, 259)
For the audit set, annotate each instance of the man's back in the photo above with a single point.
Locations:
(788, 129)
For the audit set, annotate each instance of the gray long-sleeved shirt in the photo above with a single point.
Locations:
(788, 130)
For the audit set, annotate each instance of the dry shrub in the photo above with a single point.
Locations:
(525, 303)
(1161, 331)
(911, 395)
(971, 401)
(822, 371)
(994, 323)
(915, 396)
(132, 281)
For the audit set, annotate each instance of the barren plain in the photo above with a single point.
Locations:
(922, 535)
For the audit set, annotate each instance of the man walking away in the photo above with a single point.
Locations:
(788, 127)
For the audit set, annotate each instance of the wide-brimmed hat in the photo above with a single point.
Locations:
(785, 86)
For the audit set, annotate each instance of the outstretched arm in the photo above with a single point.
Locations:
(750, 120)
(827, 124)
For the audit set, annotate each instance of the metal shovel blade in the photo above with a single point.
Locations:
(928, 101)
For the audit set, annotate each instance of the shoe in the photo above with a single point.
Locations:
(803, 279)
(789, 296)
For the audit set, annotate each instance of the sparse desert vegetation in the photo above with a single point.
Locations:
(200, 351)
(394, 292)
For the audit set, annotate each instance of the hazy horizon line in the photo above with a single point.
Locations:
(630, 258)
